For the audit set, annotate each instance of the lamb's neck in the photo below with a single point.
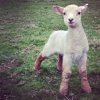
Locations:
(76, 39)
(76, 32)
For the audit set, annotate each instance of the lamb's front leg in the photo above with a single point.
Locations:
(59, 63)
(83, 73)
(65, 75)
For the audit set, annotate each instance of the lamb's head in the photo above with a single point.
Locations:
(72, 14)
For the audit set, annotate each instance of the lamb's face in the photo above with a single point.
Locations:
(72, 15)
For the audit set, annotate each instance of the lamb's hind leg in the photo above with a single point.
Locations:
(83, 74)
(45, 53)
(38, 61)
(59, 63)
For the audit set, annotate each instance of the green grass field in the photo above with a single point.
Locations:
(25, 26)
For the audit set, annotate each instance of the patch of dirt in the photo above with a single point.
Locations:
(9, 65)
(44, 94)
(9, 84)
(94, 44)
(94, 78)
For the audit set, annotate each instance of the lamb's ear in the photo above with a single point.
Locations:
(58, 9)
(84, 8)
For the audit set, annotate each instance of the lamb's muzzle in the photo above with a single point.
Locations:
(71, 46)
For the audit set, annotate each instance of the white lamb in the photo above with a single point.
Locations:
(71, 46)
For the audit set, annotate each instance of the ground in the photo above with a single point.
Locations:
(25, 26)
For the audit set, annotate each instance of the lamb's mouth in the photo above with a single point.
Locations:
(71, 23)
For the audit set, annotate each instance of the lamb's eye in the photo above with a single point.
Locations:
(64, 13)
(79, 13)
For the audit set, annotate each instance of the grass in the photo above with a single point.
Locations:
(25, 26)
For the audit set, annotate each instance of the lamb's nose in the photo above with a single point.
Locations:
(70, 20)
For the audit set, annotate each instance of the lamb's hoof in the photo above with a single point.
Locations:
(63, 91)
(36, 68)
(63, 88)
(85, 86)
(59, 68)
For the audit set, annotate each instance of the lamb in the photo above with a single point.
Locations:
(71, 46)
